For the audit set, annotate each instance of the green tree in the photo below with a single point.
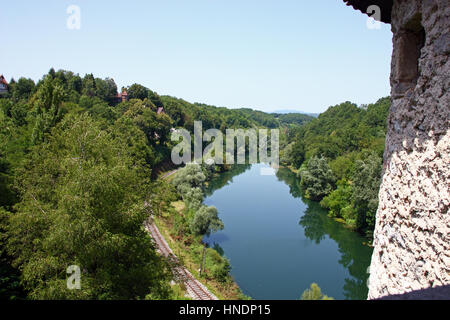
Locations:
(189, 183)
(293, 154)
(205, 221)
(343, 166)
(104, 112)
(163, 194)
(16, 111)
(366, 184)
(314, 293)
(156, 127)
(22, 89)
(83, 204)
(75, 83)
(137, 91)
(10, 288)
(47, 108)
(155, 99)
(105, 89)
(52, 73)
(141, 152)
(317, 179)
(88, 85)
(339, 203)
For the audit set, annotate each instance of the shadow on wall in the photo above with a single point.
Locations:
(437, 293)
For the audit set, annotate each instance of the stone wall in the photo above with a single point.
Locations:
(412, 234)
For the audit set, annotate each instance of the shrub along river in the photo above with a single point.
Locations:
(278, 242)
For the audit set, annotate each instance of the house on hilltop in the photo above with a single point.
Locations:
(160, 110)
(3, 85)
(121, 97)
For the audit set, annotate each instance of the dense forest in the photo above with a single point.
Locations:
(339, 160)
(185, 113)
(78, 178)
(75, 174)
(77, 168)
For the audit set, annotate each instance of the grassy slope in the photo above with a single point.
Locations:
(189, 254)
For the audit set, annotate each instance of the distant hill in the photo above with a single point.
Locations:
(286, 111)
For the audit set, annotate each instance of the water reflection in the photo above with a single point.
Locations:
(225, 178)
(278, 242)
(218, 248)
(316, 224)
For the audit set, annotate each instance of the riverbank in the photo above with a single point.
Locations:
(279, 243)
(185, 281)
(188, 249)
(173, 225)
(342, 221)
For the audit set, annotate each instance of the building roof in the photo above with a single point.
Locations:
(362, 5)
(123, 94)
(3, 80)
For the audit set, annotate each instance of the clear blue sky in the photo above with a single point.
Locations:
(268, 55)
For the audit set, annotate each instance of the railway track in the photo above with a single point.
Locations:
(168, 174)
(195, 289)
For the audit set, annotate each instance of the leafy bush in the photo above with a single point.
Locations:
(314, 293)
(221, 271)
(206, 221)
(340, 201)
(351, 139)
(82, 202)
(317, 179)
(366, 184)
(189, 182)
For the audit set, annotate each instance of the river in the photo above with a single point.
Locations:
(278, 242)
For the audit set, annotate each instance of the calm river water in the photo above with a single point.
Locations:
(278, 243)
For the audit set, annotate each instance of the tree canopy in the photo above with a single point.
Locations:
(78, 168)
(314, 293)
(339, 157)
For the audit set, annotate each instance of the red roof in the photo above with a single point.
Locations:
(124, 93)
(3, 80)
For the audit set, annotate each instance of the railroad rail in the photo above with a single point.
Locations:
(195, 289)
(168, 174)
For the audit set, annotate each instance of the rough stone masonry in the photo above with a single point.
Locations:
(412, 233)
